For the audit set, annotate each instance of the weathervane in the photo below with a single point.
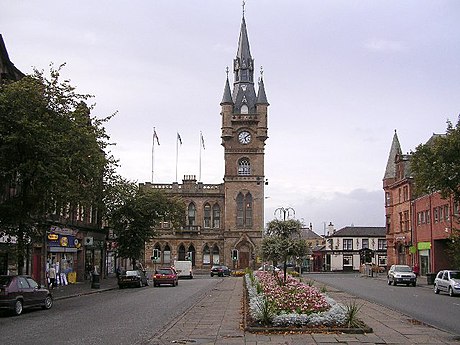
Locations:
(226, 71)
(261, 71)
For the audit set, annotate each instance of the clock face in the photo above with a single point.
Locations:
(244, 137)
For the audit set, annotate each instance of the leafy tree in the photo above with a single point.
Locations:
(134, 220)
(436, 167)
(283, 242)
(51, 154)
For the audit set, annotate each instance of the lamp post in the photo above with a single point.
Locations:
(286, 213)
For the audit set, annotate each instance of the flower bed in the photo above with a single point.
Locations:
(276, 306)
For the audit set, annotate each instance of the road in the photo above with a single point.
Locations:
(420, 303)
(127, 316)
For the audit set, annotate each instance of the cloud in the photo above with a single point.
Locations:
(379, 45)
(358, 207)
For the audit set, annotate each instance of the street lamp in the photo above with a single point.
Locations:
(286, 213)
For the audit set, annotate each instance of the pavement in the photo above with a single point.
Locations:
(216, 319)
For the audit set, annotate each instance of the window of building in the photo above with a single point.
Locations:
(244, 167)
(348, 260)
(427, 217)
(216, 216)
(244, 210)
(382, 244)
(382, 260)
(244, 109)
(435, 213)
(206, 255)
(456, 208)
(446, 212)
(191, 214)
(207, 216)
(406, 221)
(387, 198)
(441, 213)
(347, 244)
(406, 193)
(365, 243)
(215, 255)
(167, 255)
(388, 223)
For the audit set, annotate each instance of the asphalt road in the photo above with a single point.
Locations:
(420, 303)
(127, 316)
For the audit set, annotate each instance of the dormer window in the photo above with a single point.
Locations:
(244, 109)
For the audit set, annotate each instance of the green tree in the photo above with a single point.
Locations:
(436, 168)
(283, 243)
(135, 219)
(51, 154)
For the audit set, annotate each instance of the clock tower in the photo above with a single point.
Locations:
(244, 131)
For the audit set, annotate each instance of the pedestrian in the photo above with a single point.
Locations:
(52, 276)
(416, 270)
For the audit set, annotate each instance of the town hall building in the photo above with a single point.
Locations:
(224, 222)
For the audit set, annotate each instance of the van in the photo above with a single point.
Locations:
(183, 269)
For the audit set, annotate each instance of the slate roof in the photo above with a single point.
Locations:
(7, 69)
(395, 150)
(361, 231)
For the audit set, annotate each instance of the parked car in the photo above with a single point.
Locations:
(134, 278)
(18, 292)
(165, 275)
(220, 271)
(401, 274)
(447, 281)
(269, 268)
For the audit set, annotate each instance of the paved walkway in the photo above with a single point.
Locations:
(216, 319)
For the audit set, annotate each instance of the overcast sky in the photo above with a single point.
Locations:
(340, 77)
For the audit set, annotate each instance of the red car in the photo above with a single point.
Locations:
(165, 275)
(18, 292)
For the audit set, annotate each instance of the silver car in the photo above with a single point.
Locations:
(401, 274)
(447, 281)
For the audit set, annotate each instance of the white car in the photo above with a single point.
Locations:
(401, 274)
(447, 281)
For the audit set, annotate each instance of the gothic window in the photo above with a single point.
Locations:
(207, 215)
(181, 253)
(167, 255)
(191, 214)
(215, 255)
(216, 216)
(240, 210)
(244, 210)
(248, 210)
(244, 109)
(244, 167)
(206, 255)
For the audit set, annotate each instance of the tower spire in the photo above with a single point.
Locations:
(395, 150)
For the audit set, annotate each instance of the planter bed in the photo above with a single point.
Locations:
(328, 320)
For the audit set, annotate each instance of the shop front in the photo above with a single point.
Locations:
(63, 246)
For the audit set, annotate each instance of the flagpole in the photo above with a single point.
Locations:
(153, 150)
(199, 170)
(177, 151)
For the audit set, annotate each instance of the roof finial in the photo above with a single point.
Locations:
(244, 3)
(226, 71)
(261, 71)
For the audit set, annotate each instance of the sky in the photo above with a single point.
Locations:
(340, 77)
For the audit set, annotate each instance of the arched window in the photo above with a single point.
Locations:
(191, 254)
(167, 255)
(181, 253)
(157, 248)
(215, 255)
(206, 255)
(207, 215)
(244, 210)
(240, 210)
(244, 167)
(244, 109)
(216, 216)
(248, 210)
(191, 214)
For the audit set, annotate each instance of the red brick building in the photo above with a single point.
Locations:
(417, 229)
